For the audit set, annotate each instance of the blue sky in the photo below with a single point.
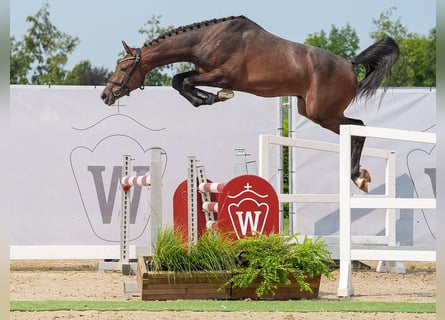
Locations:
(102, 24)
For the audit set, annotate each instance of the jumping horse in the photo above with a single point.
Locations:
(236, 54)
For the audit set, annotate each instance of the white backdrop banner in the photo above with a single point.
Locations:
(317, 172)
(63, 159)
(64, 147)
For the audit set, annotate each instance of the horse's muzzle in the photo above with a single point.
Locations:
(108, 97)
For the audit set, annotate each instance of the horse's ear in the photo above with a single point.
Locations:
(126, 47)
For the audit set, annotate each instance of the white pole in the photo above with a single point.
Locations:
(345, 288)
(263, 163)
(156, 194)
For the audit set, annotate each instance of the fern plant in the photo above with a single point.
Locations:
(275, 258)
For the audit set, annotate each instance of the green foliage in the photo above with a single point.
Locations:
(343, 42)
(417, 64)
(44, 50)
(311, 256)
(73, 77)
(20, 62)
(415, 68)
(274, 258)
(386, 26)
(84, 74)
(170, 253)
(285, 105)
(212, 252)
(262, 257)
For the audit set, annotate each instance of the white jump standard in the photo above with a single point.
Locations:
(153, 181)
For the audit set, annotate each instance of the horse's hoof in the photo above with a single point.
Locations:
(365, 174)
(225, 94)
(362, 180)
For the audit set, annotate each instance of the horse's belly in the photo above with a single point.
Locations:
(273, 87)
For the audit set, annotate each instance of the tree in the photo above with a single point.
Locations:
(20, 62)
(343, 42)
(84, 74)
(417, 64)
(44, 50)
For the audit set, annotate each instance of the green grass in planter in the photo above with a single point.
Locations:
(213, 252)
(171, 252)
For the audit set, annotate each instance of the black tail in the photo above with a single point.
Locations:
(377, 60)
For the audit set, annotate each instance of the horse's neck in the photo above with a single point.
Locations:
(167, 51)
(181, 44)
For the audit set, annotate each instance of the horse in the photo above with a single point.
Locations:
(236, 54)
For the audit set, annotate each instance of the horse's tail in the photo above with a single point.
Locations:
(377, 60)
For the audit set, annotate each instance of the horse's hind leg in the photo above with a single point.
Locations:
(359, 176)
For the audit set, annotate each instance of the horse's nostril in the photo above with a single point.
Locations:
(103, 96)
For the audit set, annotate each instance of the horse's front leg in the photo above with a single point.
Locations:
(186, 84)
(185, 91)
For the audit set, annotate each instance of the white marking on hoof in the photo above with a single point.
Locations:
(225, 94)
(362, 181)
(361, 184)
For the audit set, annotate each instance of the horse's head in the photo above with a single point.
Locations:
(129, 75)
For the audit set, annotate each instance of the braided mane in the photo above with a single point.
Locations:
(190, 27)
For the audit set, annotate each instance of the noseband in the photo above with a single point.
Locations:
(123, 85)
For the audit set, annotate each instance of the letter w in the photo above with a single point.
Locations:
(248, 220)
(106, 204)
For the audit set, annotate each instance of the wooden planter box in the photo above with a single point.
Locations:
(164, 285)
(285, 292)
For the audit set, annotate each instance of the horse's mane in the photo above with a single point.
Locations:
(190, 27)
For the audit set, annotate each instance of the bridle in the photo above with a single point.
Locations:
(123, 85)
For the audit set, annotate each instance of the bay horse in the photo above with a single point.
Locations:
(236, 54)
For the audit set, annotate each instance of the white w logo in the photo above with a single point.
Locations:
(248, 213)
(246, 219)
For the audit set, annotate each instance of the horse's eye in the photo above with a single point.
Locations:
(124, 69)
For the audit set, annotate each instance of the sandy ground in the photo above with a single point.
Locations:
(80, 280)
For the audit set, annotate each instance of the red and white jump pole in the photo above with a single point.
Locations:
(212, 187)
(140, 181)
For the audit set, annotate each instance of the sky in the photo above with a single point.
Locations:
(102, 24)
